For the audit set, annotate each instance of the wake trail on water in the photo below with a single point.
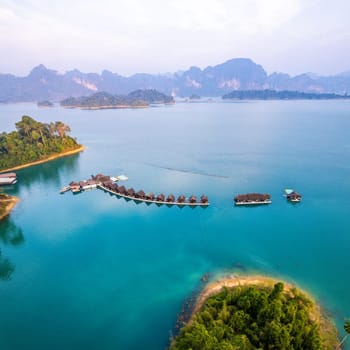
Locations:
(188, 171)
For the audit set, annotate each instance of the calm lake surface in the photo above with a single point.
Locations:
(91, 271)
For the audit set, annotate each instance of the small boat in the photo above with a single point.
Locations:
(65, 189)
(252, 199)
(8, 179)
(122, 178)
(292, 196)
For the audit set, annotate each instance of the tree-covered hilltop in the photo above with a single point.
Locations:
(280, 95)
(254, 317)
(138, 98)
(34, 141)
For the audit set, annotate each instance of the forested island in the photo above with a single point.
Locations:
(280, 95)
(104, 100)
(255, 313)
(45, 103)
(35, 142)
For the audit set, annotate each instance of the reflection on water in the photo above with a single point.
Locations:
(6, 268)
(46, 173)
(10, 234)
(203, 173)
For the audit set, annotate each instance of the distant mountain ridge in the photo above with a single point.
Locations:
(232, 75)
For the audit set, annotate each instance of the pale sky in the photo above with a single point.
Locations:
(159, 36)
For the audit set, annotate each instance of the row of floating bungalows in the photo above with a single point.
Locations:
(151, 197)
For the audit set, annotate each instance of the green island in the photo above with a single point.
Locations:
(34, 142)
(45, 103)
(104, 100)
(255, 313)
(280, 95)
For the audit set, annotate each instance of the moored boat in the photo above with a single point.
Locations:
(65, 189)
(8, 179)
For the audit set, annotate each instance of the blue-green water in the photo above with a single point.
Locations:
(95, 272)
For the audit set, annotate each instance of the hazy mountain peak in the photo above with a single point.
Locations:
(216, 80)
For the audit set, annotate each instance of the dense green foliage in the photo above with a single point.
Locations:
(138, 98)
(280, 95)
(252, 318)
(34, 141)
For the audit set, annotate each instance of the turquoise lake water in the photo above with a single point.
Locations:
(91, 271)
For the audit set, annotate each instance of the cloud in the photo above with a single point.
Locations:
(156, 36)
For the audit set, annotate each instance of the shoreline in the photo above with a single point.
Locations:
(12, 203)
(104, 107)
(328, 331)
(52, 157)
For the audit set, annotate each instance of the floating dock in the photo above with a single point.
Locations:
(252, 199)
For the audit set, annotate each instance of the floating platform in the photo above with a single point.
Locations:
(252, 199)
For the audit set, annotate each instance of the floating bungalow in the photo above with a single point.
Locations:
(149, 196)
(292, 196)
(170, 198)
(130, 192)
(193, 199)
(160, 198)
(181, 199)
(122, 190)
(204, 199)
(252, 199)
(140, 194)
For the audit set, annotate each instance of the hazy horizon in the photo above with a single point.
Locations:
(130, 36)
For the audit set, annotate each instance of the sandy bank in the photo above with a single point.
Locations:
(52, 157)
(10, 205)
(328, 331)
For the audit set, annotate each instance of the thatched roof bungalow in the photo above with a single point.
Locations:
(160, 197)
(101, 178)
(193, 199)
(122, 190)
(252, 197)
(181, 199)
(204, 199)
(170, 198)
(149, 196)
(294, 196)
(130, 192)
(140, 194)
(114, 187)
(107, 184)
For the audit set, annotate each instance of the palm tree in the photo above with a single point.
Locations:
(347, 330)
(62, 128)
